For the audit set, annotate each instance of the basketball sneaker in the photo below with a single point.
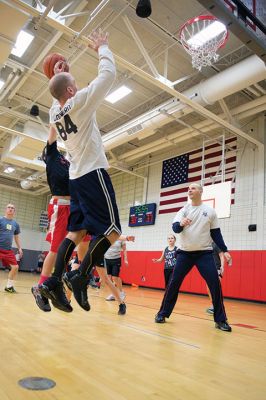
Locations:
(224, 326)
(122, 309)
(78, 284)
(67, 276)
(159, 319)
(210, 310)
(41, 301)
(10, 289)
(111, 297)
(53, 290)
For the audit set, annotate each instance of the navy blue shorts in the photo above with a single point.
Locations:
(93, 204)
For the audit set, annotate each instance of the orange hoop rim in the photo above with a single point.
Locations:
(202, 18)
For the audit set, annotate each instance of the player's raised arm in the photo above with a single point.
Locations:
(52, 135)
(100, 86)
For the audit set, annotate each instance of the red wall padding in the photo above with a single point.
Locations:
(246, 279)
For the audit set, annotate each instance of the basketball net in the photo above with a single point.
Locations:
(202, 37)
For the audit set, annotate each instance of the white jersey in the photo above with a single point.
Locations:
(76, 121)
(197, 235)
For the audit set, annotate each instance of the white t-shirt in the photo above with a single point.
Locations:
(115, 250)
(197, 235)
(76, 121)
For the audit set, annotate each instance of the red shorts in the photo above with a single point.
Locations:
(8, 257)
(58, 213)
(86, 238)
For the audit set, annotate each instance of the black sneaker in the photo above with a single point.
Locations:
(224, 326)
(78, 285)
(122, 309)
(53, 289)
(159, 319)
(10, 289)
(67, 277)
(41, 301)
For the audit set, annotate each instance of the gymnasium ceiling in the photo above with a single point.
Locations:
(146, 125)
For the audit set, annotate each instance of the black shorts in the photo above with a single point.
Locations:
(113, 266)
(101, 263)
(93, 204)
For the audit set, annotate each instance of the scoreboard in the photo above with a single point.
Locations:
(142, 215)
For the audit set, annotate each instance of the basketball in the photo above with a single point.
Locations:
(49, 64)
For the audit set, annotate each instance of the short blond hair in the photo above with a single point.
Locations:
(198, 185)
(171, 234)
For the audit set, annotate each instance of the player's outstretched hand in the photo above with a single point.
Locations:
(130, 238)
(98, 38)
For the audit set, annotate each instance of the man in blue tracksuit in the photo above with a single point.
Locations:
(197, 225)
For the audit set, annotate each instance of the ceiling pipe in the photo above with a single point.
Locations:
(8, 80)
(14, 77)
(233, 79)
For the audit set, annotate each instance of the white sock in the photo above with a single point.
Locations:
(10, 283)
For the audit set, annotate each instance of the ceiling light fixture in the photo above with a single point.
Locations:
(9, 170)
(118, 94)
(26, 184)
(23, 41)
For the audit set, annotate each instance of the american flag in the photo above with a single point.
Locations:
(180, 171)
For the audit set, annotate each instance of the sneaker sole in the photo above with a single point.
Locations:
(85, 307)
(224, 330)
(159, 322)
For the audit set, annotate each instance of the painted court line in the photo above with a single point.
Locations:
(151, 333)
(148, 332)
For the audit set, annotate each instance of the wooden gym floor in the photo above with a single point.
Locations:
(100, 355)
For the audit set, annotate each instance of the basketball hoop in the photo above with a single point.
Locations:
(202, 37)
